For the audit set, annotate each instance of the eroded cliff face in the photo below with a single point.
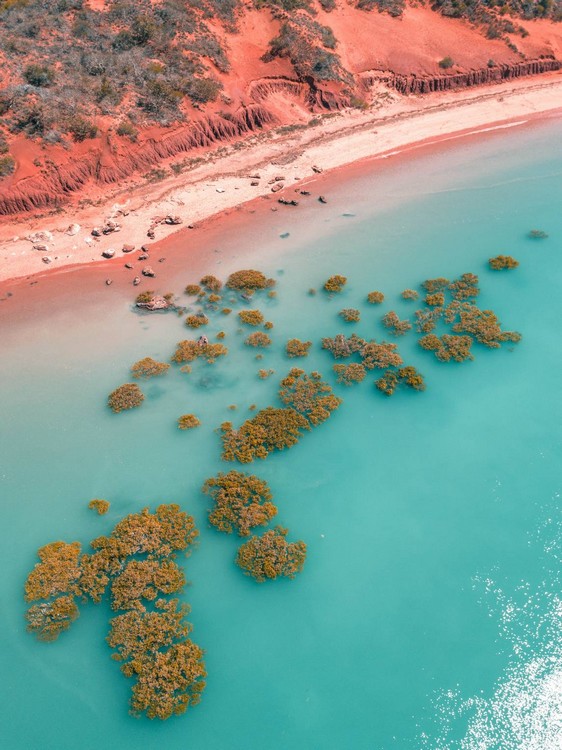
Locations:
(427, 84)
(269, 83)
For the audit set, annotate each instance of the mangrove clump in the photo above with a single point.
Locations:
(349, 374)
(148, 368)
(426, 320)
(188, 422)
(211, 283)
(435, 300)
(380, 356)
(392, 322)
(126, 396)
(189, 350)
(249, 280)
(270, 429)
(197, 320)
(297, 348)
(409, 294)
(435, 285)
(465, 287)
(335, 284)
(100, 506)
(242, 502)
(407, 376)
(350, 315)
(448, 347)
(258, 339)
(251, 317)
(309, 395)
(503, 262)
(342, 347)
(270, 556)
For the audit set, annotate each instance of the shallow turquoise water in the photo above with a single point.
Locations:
(431, 519)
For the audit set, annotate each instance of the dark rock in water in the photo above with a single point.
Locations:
(128, 265)
(136, 281)
(147, 271)
(322, 199)
(108, 282)
(161, 260)
(143, 256)
(284, 235)
(285, 202)
(304, 192)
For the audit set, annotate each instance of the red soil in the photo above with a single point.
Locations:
(259, 95)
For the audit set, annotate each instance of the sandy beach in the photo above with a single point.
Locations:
(292, 159)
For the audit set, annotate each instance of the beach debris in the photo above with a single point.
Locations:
(254, 183)
(254, 177)
(127, 248)
(109, 253)
(73, 229)
(174, 219)
(41, 248)
(41, 236)
(317, 169)
(286, 202)
(278, 186)
(322, 199)
(150, 234)
(220, 190)
(147, 271)
(108, 282)
(128, 265)
(47, 259)
(136, 281)
(161, 260)
(96, 232)
(304, 192)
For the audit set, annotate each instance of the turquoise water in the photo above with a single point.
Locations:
(427, 614)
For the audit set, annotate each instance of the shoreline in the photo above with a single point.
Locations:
(341, 144)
